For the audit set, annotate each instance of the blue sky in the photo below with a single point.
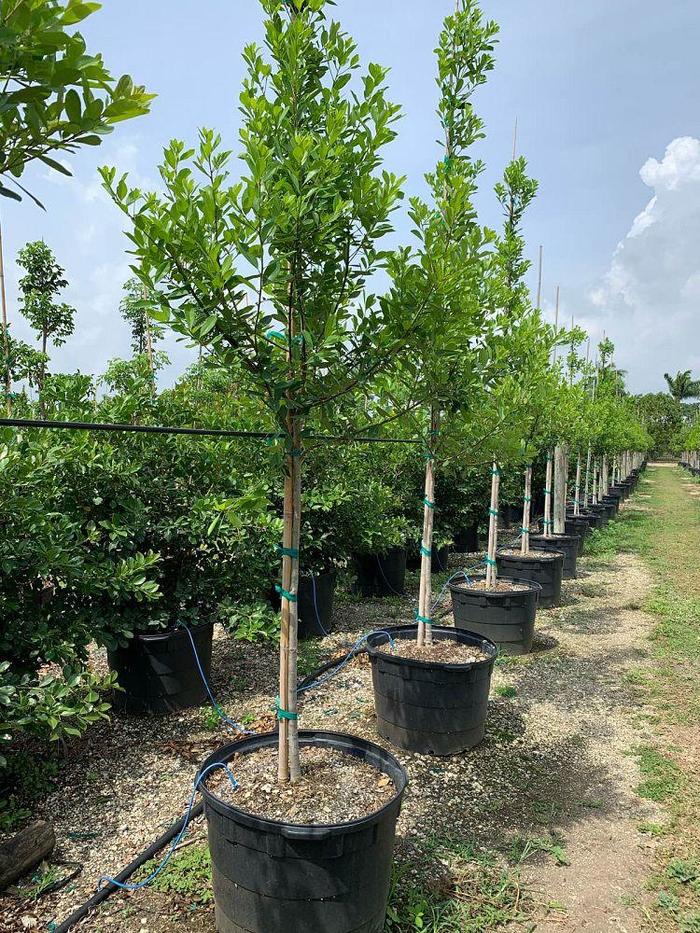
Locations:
(605, 93)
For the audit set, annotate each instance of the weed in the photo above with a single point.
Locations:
(188, 874)
(683, 871)
(210, 719)
(507, 691)
(651, 829)
(524, 847)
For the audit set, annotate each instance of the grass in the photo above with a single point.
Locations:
(666, 533)
(472, 892)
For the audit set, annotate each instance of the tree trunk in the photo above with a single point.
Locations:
(25, 850)
(560, 478)
(491, 571)
(425, 596)
(548, 483)
(7, 375)
(604, 485)
(527, 510)
(588, 478)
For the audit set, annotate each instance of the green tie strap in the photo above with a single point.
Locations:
(431, 505)
(424, 619)
(426, 552)
(290, 597)
(288, 552)
(284, 713)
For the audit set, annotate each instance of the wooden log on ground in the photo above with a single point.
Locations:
(24, 851)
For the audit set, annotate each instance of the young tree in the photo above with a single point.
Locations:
(271, 273)
(53, 321)
(136, 309)
(55, 96)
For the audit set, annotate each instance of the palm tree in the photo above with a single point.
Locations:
(682, 386)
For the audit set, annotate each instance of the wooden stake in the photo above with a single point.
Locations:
(527, 511)
(491, 570)
(425, 597)
(292, 678)
(588, 477)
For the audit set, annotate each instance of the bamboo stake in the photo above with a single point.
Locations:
(527, 510)
(425, 630)
(491, 572)
(5, 332)
(292, 679)
(548, 483)
(588, 476)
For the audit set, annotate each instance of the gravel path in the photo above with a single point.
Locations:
(555, 765)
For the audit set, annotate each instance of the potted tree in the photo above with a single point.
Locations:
(272, 275)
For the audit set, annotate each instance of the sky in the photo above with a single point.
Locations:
(605, 94)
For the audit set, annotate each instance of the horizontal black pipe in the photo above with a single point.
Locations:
(126, 873)
(197, 432)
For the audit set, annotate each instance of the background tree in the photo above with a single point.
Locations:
(55, 95)
(136, 310)
(682, 386)
(52, 320)
(662, 417)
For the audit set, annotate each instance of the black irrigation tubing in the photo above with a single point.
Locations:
(196, 432)
(104, 892)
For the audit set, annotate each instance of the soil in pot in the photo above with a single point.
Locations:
(427, 706)
(504, 613)
(382, 574)
(568, 545)
(322, 860)
(158, 672)
(545, 568)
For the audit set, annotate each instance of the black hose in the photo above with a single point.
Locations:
(197, 432)
(104, 892)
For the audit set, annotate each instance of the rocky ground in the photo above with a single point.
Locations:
(549, 794)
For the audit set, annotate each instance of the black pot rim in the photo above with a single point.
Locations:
(527, 584)
(171, 632)
(534, 555)
(410, 631)
(565, 539)
(307, 737)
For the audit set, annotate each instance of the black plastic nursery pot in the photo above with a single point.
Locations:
(507, 618)
(567, 544)
(158, 672)
(605, 509)
(613, 501)
(382, 574)
(592, 519)
(316, 604)
(510, 515)
(270, 876)
(467, 540)
(545, 568)
(429, 707)
(578, 526)
(439, 559)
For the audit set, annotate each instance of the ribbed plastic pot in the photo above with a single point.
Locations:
(382, 574)
(505, 618)
(613, 501)
(544, 567)
(158, 672)
(578, 526)
(316, 604)
(568, 545)
(270, 876)
(592, 519)
(428, 707)
(605, 509)
(467, 540)
(438, 562)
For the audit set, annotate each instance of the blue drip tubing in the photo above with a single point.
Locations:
(127, 886)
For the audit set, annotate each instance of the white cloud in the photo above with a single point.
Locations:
(649, 299)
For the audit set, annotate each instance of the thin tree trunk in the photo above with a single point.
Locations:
(527, 510)
(588, 477)
(560, 483)
(425, 596)
(5, 332)
(604, 484)
(548, 483)
(491, 570)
